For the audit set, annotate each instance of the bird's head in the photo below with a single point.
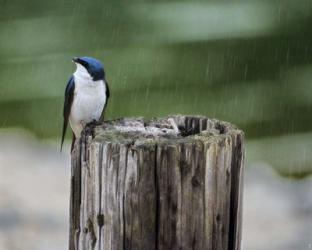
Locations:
(88, 67)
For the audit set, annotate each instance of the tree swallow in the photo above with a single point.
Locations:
(86, 96)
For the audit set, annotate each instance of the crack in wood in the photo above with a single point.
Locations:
(91, 232)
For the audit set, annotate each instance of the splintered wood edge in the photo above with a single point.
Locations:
(172, 129)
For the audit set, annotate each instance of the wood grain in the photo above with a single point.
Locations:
(140, 184)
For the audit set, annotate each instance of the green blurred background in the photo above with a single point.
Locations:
(246, 62)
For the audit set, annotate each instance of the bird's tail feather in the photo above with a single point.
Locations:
(63, 132)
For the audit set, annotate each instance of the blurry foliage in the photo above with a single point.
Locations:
(247, 62)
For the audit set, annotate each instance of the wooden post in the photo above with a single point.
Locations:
(172, 183)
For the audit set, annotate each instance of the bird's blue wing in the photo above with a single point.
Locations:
(69, 97)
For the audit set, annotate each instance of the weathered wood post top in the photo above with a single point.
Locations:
(169, 183)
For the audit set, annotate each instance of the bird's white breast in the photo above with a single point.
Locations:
(88, 103)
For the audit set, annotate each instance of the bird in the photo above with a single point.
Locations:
(86, 96)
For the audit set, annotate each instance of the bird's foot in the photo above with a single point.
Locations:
(94, 123)
(89, 128)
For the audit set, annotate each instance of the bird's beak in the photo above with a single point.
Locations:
(75, 59)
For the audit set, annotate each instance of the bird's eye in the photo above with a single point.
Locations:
(85, 64)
